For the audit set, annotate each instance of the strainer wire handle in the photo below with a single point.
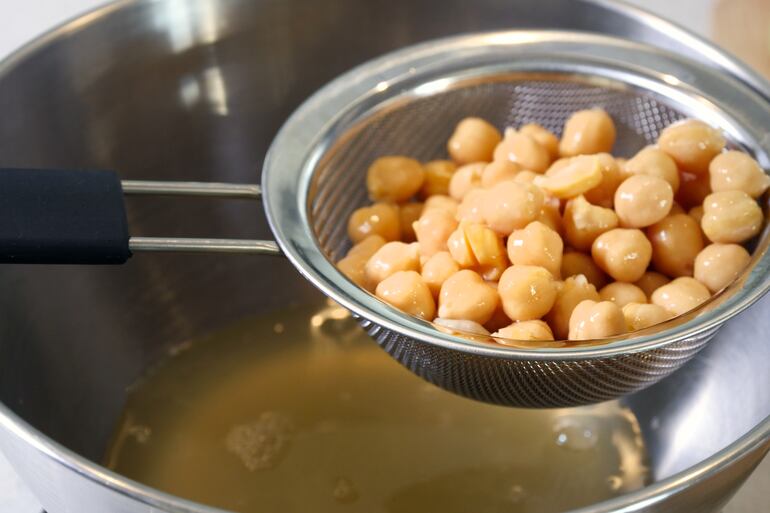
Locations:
(206, 245)
(58, 216)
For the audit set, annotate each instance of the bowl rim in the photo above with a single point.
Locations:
(657, 492)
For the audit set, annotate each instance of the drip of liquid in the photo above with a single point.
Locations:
(299, 411)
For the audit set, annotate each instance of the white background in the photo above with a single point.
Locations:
(21, 20)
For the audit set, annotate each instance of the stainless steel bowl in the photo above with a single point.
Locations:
(195, 89)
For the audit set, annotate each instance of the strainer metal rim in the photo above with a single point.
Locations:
(309, 132)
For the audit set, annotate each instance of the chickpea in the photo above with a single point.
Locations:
(737, 171)
(465, 296)
(692, 144)
(524, 150)
(584, 222)
(527, 292)
(543, 137)
(622, 294)
(696, 213)
(643, 200)
(524, 330)
(379, 219)
(389, 259)
(394, 179)
(407, 291)
(408, 213)
(676, 208)
(433, 229)
(537, 245)
(640, 316)
(731, 216)
(470, 208)
(681, 295)
(466, 177)
(573, 291)
(525, 176)
(604, 193)
(512, 205)
(587, 132)
(460, 249)
(441, 202)
(650, 282)
(580, 175)
(499, 171)
(693, 190)
(354, 262)
(438, 174)
(676, 241)
(574, 263)
(622, 253)
(488, 250)
(591, 320)
(654, 162)
(474, 140)
(437, 269)
(499, 319)
(718, 265)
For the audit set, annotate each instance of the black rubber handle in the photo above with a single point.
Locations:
(62, 217)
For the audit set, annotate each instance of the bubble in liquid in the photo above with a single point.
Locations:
(344, 491)
(279, 328)
(517, 494)
(260, 444)
(576, 433)
(140, 433)
(615, 483)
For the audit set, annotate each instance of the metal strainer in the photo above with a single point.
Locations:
(408, 103)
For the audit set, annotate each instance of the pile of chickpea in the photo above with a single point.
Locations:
(526, 236)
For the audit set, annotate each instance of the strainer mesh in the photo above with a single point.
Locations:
(419, 127)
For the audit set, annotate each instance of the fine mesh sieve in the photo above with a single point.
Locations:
(408, 103)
